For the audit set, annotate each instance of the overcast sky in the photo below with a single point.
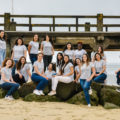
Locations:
(61, 7)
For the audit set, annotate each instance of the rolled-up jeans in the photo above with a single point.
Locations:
(2, 55)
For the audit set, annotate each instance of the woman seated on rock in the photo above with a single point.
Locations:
(87, 73)
(51, 71)
(38, 75)
(66, 75)
(23, 71)
(77, 69)
(7, 81)
(100, 67)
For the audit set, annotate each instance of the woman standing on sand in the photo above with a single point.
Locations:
(87, 74)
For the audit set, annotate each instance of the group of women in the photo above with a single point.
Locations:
(71, 66)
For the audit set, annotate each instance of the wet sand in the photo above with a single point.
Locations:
(20, 110)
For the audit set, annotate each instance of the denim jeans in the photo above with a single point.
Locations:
(33, 58)
(42, 82)
(11, 87)
(118, 78)
(101, 78)
(47, 60)
(14, 68)
(86, 86)
(2, 55)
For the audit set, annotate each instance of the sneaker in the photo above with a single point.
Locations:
(36, 92)
(118, 89)
(41, 92)
(51, 93)
(9, 98)
(89, 105)
(90, 91)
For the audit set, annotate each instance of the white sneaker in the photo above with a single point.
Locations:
(90, 91)
(41, 92)
(51, 93)
(89, 105)
(118, 89)
(36, 92)
(9, 98)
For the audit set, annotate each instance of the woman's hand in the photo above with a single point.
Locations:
(88, 80)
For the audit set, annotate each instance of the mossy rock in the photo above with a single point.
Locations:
(66, 91)
(79, 98)
(110, 96)
(4, 92)
(111, 106)
(32, 97)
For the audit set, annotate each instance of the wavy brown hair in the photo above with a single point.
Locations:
(19, 64)
(5, 61)
(88, 60)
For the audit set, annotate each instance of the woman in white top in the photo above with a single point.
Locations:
(100, 68)
(66, 76)
(38, 75)
(80, 51)
(18, 51)
(77, 69)
(33, 48)
(68, 50)
(2, 47)
(87, 74)
(48, 51)
(7, 81)
(23, 71)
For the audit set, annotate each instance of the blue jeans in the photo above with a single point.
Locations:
(118, 78)
(42, 82)
(33, 58)
(101, 78)
(14, 68)
(11, 87)
(2, 55)
(86, 86)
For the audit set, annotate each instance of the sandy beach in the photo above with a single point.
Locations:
(20, 110)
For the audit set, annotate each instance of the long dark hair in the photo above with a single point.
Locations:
(4, 37)
(75, 64)
(53, 66)
(102, 50)
(19, 64)
(60, 62)
(34, 36)
(16, 42)
(99, 55)
(50, 39)
(64, 64)
(65, 48)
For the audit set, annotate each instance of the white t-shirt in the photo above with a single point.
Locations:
(67, 70)
(99, 65)
(23, 71)
(47, 48)
(2, 44)
(39, 65)
(34, 47)
(19, 51)
(7, 72)
(49, 74)
(86, 71)
(70, 53)
(79, 53)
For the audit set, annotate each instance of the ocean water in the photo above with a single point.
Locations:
(112, 65)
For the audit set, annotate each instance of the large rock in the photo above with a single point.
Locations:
(110, 96)
(4, 92)
(32, 97)
(111, 106)
(79, 98)
(66, 91)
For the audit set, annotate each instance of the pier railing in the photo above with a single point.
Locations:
(10, 24)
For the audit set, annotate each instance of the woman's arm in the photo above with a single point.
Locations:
(103, 70)
(25, 53)
(12, 54)
(41, 48)
(77, 76)
(52, 50)
(92, 75)
(29, 48)
(29, 73)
